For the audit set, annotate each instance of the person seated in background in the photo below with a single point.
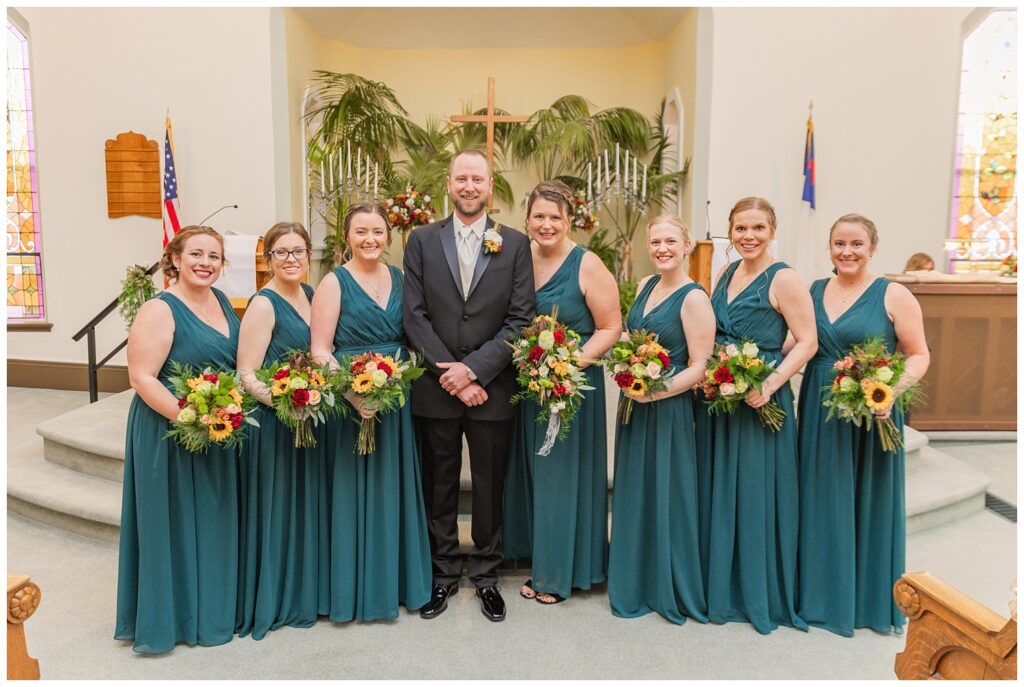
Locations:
(919, 261)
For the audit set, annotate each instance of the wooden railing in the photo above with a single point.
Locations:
(23, 598)
(951, 636)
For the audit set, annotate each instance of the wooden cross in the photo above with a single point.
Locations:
(490, 118)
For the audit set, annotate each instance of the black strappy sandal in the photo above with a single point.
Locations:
(529, 584)
(557, 599)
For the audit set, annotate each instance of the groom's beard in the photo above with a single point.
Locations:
(469, 208)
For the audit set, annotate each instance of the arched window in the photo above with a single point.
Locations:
(24, 257)
(984, 218)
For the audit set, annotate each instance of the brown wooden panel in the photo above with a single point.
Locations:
(700, 264)
(134, 184)
(972, 334)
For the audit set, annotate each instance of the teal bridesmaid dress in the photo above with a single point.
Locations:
(752, 479)
(654, 562)
(178, 562)
(852, 520)
(283, 513)
(380, 554)
(556, 506)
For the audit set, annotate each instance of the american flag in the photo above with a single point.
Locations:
(171, 225)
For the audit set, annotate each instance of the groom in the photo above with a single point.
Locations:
(468, 290)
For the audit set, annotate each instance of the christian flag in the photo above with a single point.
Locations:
(809, 164)
(171, 225)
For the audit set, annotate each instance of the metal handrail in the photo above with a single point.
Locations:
(90, 331)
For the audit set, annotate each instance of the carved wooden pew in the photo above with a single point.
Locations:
(951, 636)
(23, 597)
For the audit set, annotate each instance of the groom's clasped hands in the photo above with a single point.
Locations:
(456, 381)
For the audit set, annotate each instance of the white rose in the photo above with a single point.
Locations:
(543, 371)
(741, 386)
(731, 350)
(379, 377)
(550, 361)
(204, 387)
(653, 370)
(620, 367)
(426, 199)
(638, 370)
(411, 202)
(186, 415)
(370, 367)
(546, 339)
(727, 389)
(750, 349)
(884, 374)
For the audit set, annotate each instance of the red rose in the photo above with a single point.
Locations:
(665, 360)
(236, 420)
(559, 390)
(357, 367)
(282, 373)
(211, 378)
(624, 379)
(839, 377)
(300, 397)
(559, 336)
(536, 353)
(722, 375)
(880, 363)
(182, 402)
(385, 368)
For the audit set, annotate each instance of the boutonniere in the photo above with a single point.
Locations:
(492, 240)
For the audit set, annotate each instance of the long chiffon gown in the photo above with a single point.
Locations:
(852, 519)
(556, 506)
(283, 571)
(178, 561)
(654, 561)
(380, 554)
(752, 479)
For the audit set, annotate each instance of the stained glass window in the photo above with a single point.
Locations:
(24, 261)
(984, 222)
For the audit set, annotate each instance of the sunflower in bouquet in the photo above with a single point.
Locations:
(863, 382)
(546, 355)
(383, 382)
(733, 370)
(211, 409)
(640, 366)
(302, 393)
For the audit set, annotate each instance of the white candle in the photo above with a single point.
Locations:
(617, 177)
(341, 169)
(323, 191)
(359, 164)
(330, 165)
(446, 205)
(598, 175)
(634, 175)
(643, 192)
(607, 170)
(376, 179)
(348, 157)
(367, 187)
(589, 179)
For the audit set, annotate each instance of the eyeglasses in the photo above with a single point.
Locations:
(282, 254)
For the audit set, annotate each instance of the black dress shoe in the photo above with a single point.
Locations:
(491, 603)
(439, 600)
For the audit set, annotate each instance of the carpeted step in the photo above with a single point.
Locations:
(89, 439)
(941, 489)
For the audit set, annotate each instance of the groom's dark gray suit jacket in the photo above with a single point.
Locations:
(443, 326)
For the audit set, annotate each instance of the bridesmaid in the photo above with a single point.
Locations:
(752, 478)
(654, 564)
(281, 525)
(556, 506)
(178, 562)
(380, 554)
(852, 520)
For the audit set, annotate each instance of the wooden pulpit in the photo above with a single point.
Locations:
(23, 597)
(700, 263)
(951, 636)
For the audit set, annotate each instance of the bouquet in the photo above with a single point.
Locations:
(212, 409)
(1008, 267)
(732, 371)
(408, 210)
(301, 393)
(638, 368)
(863, 382)
(547, 360)
(583, 218)
(382, 381)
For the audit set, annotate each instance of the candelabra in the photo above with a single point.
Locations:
(624, 200)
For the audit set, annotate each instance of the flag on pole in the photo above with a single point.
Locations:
(171, 225)
(809, 163)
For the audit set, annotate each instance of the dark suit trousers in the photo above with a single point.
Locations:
(441, 444)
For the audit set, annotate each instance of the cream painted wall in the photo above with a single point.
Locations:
(97, 72)
(884, 85)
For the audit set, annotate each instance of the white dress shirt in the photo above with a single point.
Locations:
(468, 240)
